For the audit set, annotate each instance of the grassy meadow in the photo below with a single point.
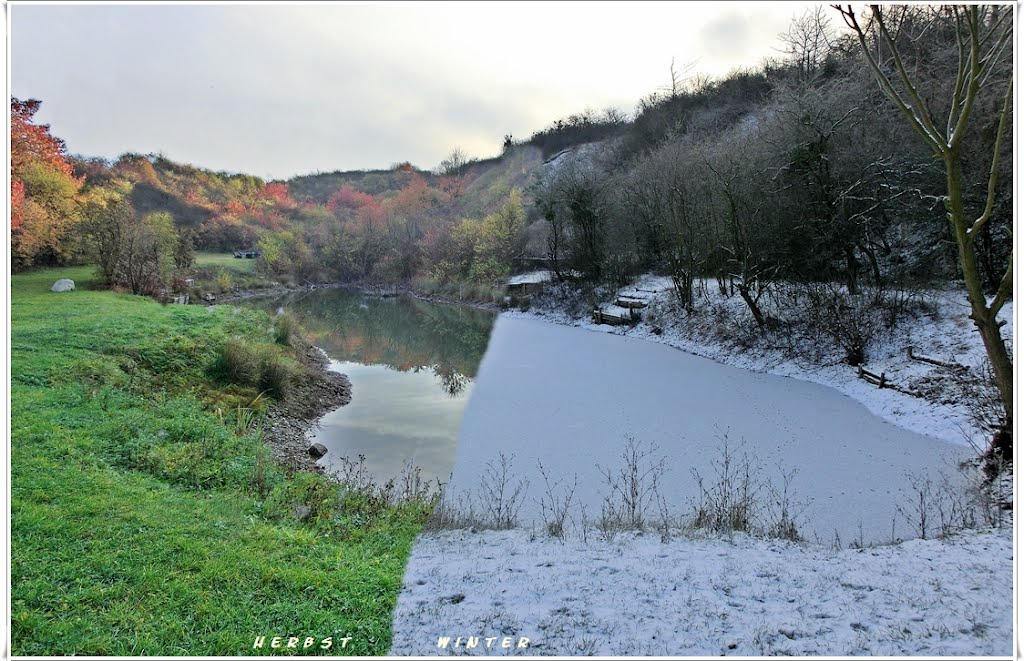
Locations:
(147, 516)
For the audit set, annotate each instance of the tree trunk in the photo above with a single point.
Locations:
(876, 273)
(852, 268)
(744, 290)
(984, 317)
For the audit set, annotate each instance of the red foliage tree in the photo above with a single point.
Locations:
(278, 193)
(416, 197)
(347, 197)
(234, 208)
(33, 142)
(44, 190)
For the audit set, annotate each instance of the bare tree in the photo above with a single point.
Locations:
(453, 163)
(744, 236)
(576, 204)
(453, 171)
(808, 41)
(980, 35)
(662, 205)
(678, 80)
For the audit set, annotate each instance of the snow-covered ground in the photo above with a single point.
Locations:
(533, 277)
(696, 597)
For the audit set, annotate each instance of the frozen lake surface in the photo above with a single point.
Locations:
(570, 398)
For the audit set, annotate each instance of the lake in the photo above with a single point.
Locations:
(412, 365)
(570, 400)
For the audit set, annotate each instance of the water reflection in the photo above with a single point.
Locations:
(411, 364)
(402, 333)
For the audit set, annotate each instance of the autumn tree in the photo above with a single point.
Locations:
(184, 249)
(498, 240)
(46, 215)
(137, 253)
(146, 253)
(980, 36)
(32, 142)
(106, 217)
(44, 190)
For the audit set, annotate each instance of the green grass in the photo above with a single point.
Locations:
(220, 272)
(147, 517)
(224, 260)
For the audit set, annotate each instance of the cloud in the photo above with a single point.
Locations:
(279, 89)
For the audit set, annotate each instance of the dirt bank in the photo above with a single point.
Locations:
(317, 391)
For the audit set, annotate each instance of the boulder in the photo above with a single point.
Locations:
(301, 512)
(317, 450)
(64, 284)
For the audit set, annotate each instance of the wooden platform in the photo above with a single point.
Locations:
(631, 302)
(602, 317)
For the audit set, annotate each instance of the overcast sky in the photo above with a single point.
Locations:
(279, 90)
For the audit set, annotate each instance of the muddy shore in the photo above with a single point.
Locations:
(316, 391)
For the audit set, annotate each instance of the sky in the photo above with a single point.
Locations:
(281, 90)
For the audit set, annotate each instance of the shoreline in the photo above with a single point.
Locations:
(318, 391)
(367, 289)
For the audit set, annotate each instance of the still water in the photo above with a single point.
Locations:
(411, 364)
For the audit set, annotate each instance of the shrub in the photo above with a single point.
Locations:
(285, 325)
(501, 494)
(255, 366)
(224, 281)
(729, 502)
(237, 363)
(275, 378)
(850, 320)
(632, 488)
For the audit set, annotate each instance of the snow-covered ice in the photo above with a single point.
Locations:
(948, 335)
(569, 399)
(705, 597)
